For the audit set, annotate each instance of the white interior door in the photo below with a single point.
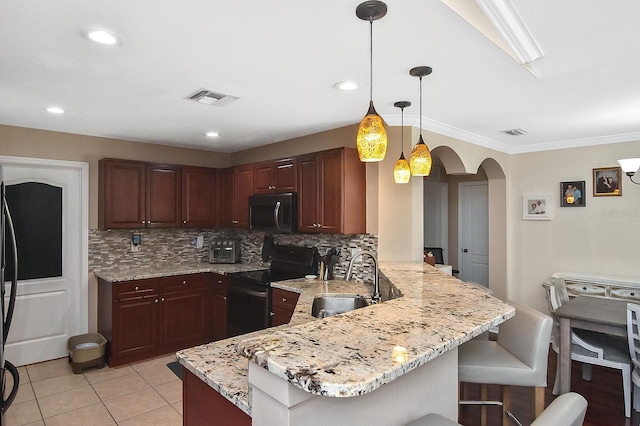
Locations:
(473, 231)
(51, 309)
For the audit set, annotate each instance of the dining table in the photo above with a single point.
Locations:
(601, 314)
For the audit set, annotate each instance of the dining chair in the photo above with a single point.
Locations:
(633, 338)
(518, 357)
(589, 347)
(566, 410)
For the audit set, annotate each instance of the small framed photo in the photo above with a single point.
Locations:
(607, 181)
(536, 207)
(572, 194)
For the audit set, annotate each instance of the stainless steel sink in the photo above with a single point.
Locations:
(329, 304)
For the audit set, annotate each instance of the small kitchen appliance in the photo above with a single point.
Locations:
(224, 251)
(249, 295)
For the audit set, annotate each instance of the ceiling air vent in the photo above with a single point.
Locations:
(514, 132)
(209, 97)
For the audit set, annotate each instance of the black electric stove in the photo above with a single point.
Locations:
(249, 297)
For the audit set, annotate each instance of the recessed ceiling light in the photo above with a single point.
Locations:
(55, 110)
(346, 85)
(212, 134)
(105, 37)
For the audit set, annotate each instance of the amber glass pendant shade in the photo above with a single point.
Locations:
(420, 160)
(401, 171)
(372, 137)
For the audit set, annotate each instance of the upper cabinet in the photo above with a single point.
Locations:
(332, 192)
(276, 176)
(135, 195)
(236, 188)
(199, 197)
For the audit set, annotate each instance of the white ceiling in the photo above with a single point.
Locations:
(283, 57)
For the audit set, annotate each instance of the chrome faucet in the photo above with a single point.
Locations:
(376, 278)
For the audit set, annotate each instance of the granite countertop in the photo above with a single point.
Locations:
(129, 273)
(350, 354)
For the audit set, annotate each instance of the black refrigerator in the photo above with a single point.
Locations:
(8, 256)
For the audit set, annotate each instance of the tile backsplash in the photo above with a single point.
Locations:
(161, 246)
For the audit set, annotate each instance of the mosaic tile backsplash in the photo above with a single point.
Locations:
(161, 246)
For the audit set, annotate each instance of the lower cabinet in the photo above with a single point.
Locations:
(283, 303)
(144, 318)
(201, 405)
(219, 304)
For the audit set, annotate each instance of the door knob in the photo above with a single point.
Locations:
(465, 250)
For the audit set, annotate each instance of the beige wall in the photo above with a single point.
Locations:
(601, 238)
(22, 142)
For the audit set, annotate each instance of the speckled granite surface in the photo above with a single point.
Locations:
(115, 274)
(350, 354)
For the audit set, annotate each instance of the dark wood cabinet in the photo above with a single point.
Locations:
(163, 196)
(219, 305)
(144, 318)
(202, 405)
(122, 194)
(133, 194)
(236, 188)
(276, 176)
(283, 303)
(183, 310)
(332, 192)
(199, 197)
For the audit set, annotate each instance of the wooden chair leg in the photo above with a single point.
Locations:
(506, 404)
(538, 401)
(483, 408)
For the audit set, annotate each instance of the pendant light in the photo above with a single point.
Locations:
(401, 172)
(420, 160)
(372, 135)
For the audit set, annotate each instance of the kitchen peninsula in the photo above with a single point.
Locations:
(340, 370)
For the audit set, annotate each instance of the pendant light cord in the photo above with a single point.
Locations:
(371, 58)
(402, 130)
(420, 106)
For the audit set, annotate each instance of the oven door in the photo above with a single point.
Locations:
(247, 307)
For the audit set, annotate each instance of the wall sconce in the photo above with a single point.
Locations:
(630, 166)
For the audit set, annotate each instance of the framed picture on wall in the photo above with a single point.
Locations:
(536, 207)
(572, 194)
(607, 181)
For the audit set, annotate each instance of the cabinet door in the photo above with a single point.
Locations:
(227, 201)
(263, 178)
(135, 326)
(122, 194)
(308, 193)
(331, 177)
(244, 189)
(198, 197)
(286, 175)
(183, 314)
(220, 286)
(163, 196)
(282, 306)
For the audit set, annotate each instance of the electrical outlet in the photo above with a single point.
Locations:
(134, 247)
(353, 252)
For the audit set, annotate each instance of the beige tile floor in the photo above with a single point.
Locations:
(144, 393)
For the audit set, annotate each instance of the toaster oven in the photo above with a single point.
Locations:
(224, 251)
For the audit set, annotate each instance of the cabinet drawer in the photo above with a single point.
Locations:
(590, 289)
(625, 293)
(283, 299)
(182, 282)
(133, 289)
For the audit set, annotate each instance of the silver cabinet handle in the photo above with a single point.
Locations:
(184, 221)
(162, 300)
(284, 299)
(184, 282)
(156, 301)
(137, 288)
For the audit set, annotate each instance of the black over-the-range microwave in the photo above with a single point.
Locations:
(275, 213)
